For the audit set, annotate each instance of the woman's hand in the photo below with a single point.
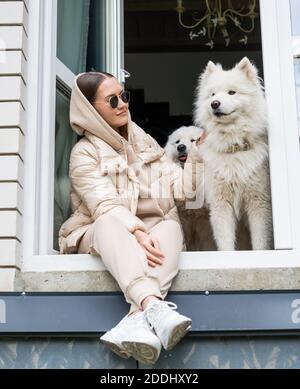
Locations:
(201, 138)
(151, 247)
(193, 154)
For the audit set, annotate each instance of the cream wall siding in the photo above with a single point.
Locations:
(13, 88)
(12, 115)
(11, 224)
(12, 141)
(11, 196)
(11, 169)
(13, 103)
(14, 64)
(14, 12)
(14, 38)
(7, 279)
(10, 253)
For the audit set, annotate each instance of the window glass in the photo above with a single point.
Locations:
(81, 48)
(65, 139)
(72, 33)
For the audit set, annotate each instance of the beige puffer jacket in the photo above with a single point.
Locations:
(102, 180)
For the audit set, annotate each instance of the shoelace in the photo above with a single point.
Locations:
(140, 319)
(156, 311)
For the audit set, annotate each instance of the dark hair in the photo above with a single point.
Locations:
(89, 82)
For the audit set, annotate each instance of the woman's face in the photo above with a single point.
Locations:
(115, 117)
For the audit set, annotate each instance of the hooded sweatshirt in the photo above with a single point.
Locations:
(110, 174)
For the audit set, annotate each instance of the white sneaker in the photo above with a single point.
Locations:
(168, 324)
(141, 341)
(132, 336)
(112, 339)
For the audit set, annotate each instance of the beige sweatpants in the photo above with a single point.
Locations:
(126, 260)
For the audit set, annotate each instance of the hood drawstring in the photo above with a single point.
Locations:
(124, 148)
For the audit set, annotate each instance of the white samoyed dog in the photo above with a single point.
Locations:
(179, 143)
(231, 108)
(195, 222)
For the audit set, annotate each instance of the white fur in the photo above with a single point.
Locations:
(195, 222)
(237, 184)
(182, 136)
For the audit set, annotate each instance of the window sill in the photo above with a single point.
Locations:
(198, 271)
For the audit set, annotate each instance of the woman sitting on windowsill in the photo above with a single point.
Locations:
(123, 191)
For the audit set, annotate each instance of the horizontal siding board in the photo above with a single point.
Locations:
(10, 253)
(12, 89)
(13, 78)
(7, 280)
(13, 63)
(26, 2)
(12, 141)
(11, 196)
(13, 12)
(24, 67)
(12, 115)
(10, 224)
(11, 169)
(14, 38)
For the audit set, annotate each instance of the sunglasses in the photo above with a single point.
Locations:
(114, 100)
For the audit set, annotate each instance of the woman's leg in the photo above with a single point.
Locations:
(123, 257)
(169, 325)
(127, 262)
(170, 238)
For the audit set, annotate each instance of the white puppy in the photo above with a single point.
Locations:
(179, 143)
(195, 222)
(231, 107)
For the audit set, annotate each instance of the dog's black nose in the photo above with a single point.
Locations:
(215, 104)
(181, 148)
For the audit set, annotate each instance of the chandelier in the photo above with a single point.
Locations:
(217, 16)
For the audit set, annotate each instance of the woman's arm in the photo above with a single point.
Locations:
(97, 190)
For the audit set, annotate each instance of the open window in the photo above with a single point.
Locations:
(80, 48)
(167, 46)
(164, 64)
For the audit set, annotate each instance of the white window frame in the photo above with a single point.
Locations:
(296, 53)
(46, 67)
(283, 139)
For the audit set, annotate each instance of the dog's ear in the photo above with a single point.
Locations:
(210, 68)
(248, 68)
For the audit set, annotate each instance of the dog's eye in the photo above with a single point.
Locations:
(177, 142)
(232, 92)
(193, 140)
(213, 94)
